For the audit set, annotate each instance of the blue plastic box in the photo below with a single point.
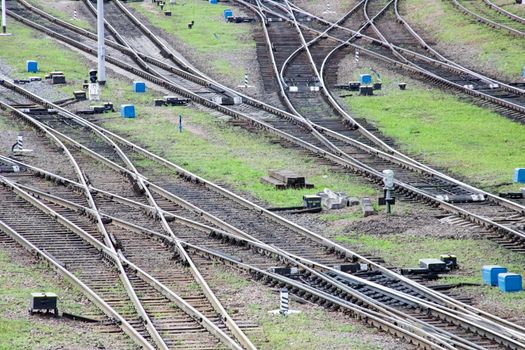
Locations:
(213, 2)
(509, 282)
(227, 13)
(32, 66)
(139, 86)
(127, 111)
(365, 79)
(519, 175)
(489, 274)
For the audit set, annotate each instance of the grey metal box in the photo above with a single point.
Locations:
(433, 264)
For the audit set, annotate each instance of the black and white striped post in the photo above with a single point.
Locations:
(245, 80)
(75, 16)
(284, 306)
(356, 56)
(19, 145)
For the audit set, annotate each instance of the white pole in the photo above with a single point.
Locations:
(4, 19)
(101, 47)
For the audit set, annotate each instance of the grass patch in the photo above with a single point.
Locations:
(231, 155)
(210, 36)
(496, 48)
(61, 14)
(294, 332)
(448, 133)
(20, 331)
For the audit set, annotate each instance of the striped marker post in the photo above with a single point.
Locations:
(285, 302)
(180, 122)
(75, 16)
(245, 80)
(356, 56)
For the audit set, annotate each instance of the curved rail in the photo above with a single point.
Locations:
(485, 20)
(504, 12)
(149, 184)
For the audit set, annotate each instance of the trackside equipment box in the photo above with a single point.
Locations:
(509, 282)
(32, 66)
(519, 175)
(127, 111)
(139, 86)
(489, 274)
(43, 301)
(365, 79)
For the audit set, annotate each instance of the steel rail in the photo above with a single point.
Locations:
(255, 246)
(240, 200)
(315, 150)
(337, 272)
(417, 165)
(296, 258)
(119, 256)
(99, 224)
(450, 66)
(485, 20)
(133, 173)
(504, 202)
(504, 12)
(71, 278)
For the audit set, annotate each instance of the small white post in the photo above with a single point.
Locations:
(75, 17)
(101, 46)
(245, 80)
(4, 18)
(356, 55)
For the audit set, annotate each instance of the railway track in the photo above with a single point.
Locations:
(424, 62)
(316, 256)
(510, 239)
(504, 12)
(341, 129)
(498, 19)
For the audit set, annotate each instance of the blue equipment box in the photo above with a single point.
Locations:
(127, 111)
(519, 175)
(365, 79)
(139, 86)
(227, 13)
(490, 273)
(32, 66)
(509, 282)
(213, 2)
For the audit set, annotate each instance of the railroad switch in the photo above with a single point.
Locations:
(43, 302)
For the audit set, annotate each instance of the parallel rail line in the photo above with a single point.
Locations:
(150, 184)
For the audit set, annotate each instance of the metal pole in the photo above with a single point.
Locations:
(101, 47)
(4, 19)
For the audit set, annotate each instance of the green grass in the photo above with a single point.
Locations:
(61, 14)
(50, 55)
(294, 332)
(495, 48)
(210, 33)
(20, 331)
(470, 141)
(511, 6)
(227, 154)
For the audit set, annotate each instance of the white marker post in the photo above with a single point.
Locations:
(4, 19)
(101, 46)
